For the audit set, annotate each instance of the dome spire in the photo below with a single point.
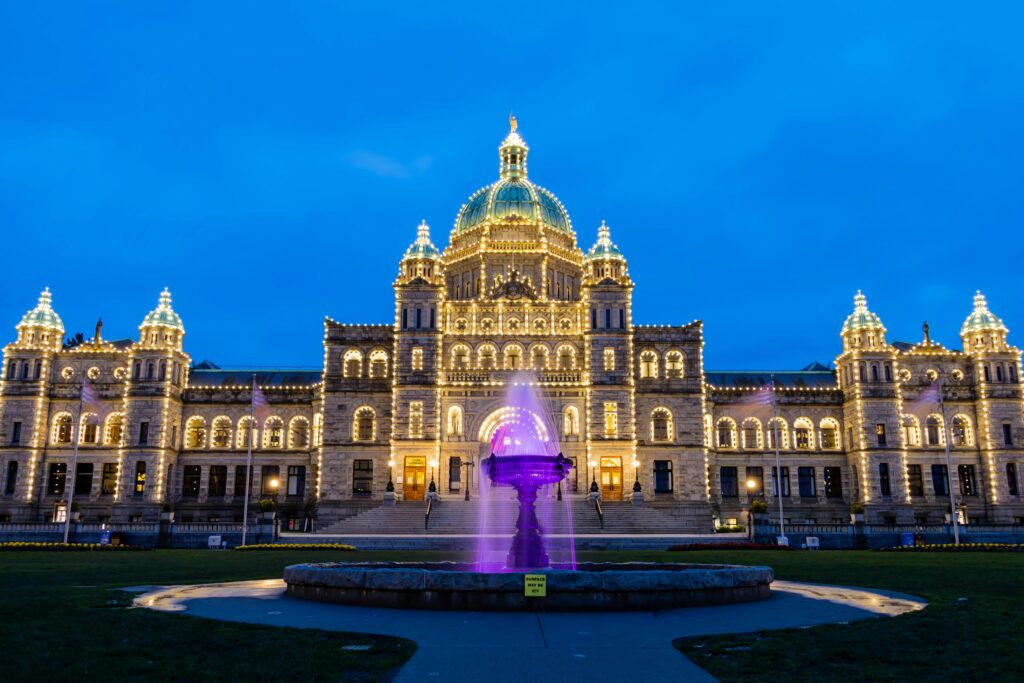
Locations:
(163, 315)
(861, 318)
(513, 151)
(43, 314)
(604, 248)
(981, 319)
(422, 248)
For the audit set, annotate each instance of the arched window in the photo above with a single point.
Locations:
(11, 368)
(752, 433)
(783, 429)
(566, 357)
(911, 431)
(803, 434)
(648, 364)
(364, 424)
(378, 363)
(829, 433)
(674, 365)
(62, 428)
(89, 431)
(317, 430)
(460, 357)
(149, 370)
(195, 432)
(273, 432)
(298, 433)
(513, 357)
(874, 372)
(539, 354)
(222, 432)
(243, 432)
(726, 433)
(570, 421)
(455, 423)
(113, 433)
(863, 367)
(163, 371)
(661, 425)
(486, 356)
(962, 431)
(353, 363)
(933, 430)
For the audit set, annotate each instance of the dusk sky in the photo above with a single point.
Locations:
(757, 162)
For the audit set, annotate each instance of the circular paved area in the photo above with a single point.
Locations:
(548, 646)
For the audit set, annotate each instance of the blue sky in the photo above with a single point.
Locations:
(757, 163)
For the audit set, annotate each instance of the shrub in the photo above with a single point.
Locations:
(298, 546)
(758, 507)
(729, 528)
(963, 547)
(267, 505)
(857, 509)
(35, 545)
(727, 546)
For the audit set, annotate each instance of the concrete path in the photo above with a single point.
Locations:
(553, 646)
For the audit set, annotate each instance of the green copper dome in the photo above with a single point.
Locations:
(981, 319)
(513, 198)
(163, 315)
(422, 248)
(43, 314)
(861, 318)
(604, 248)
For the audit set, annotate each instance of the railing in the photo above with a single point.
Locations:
(426, 517)
(599, 511)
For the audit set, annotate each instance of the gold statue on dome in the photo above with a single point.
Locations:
(512, 123)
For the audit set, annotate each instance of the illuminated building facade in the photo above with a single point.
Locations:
(512, 298)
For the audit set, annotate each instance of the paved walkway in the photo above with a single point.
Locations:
(553, 646)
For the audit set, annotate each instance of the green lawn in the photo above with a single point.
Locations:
(62, 620)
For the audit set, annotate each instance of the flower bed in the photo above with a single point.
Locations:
(32, 545)
(728, 546)
(298, 546)
(963, 547)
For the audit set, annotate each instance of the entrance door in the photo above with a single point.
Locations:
(611, 478)
(415, 478)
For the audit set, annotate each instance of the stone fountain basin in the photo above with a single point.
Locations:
(596, 586)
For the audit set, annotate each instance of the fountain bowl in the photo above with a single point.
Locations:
(593, 586)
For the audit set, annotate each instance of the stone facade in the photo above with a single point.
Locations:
(512, 299)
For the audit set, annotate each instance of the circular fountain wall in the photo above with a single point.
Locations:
(444, 585)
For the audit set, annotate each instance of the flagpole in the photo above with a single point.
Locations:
(248, 467)
(75, 435)
(949, 467)
(778, 463)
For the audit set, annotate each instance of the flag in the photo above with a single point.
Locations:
(260, 407)
(926, 400)
(90, 399)
(756, 402)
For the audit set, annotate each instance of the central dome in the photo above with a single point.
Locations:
(513, 198)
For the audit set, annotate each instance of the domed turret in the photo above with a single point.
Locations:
(982, 329)
(43, 316)
(604, 259)
(862, 329)
(422, 259)
(162, 324)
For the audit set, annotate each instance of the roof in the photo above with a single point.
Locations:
(604, 248)
(861, 318)
(787, 379)
(43, 314)
(265, 377)
(163, 315)
(422, 248)
(981, 319)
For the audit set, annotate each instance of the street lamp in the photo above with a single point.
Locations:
(391, 481)
(751, 485)
(469, 475)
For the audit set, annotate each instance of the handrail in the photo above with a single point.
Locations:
(426, 520)
(600, 513)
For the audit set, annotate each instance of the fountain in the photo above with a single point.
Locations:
(524, 459)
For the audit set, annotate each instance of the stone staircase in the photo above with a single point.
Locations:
(464, 517)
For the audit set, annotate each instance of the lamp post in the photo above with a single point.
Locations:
(391, 478)
(469, 475)
(593, 472)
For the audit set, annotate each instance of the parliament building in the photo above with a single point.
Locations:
(416, 399)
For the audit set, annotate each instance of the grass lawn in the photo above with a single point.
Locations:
(62, 620)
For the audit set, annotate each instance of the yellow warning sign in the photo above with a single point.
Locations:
(535, 585)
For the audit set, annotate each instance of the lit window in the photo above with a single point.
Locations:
(611, 419)
(417, 359)
(609, 360)
(416, 420)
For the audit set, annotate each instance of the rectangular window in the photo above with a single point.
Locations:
(1011, 478)
(405, 318)
(880, 433)
(940, 480)
(11, 482)
(785, 482)
(240, 480)
(454, 473)
(611, 419)
(417, 359)
(16, 433)
(416, 420)
(432, 314)
(419, 318)
(83, 479)
(622, 318)
(140, 478)
(883, 479)
(608, 318)
(808, 487)
(56, 480)
(663, 476)
(915, 480)
(754, 482)
(362, 477)
(730, 485)
(190, 480)
(968, 481)
(1007, 434)
(270, 480)
(802, 437)
(593, 318)
(108, 482)
(833, 482)
(143, 433)
(296, 480)
(609, 360)
(217, 484)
